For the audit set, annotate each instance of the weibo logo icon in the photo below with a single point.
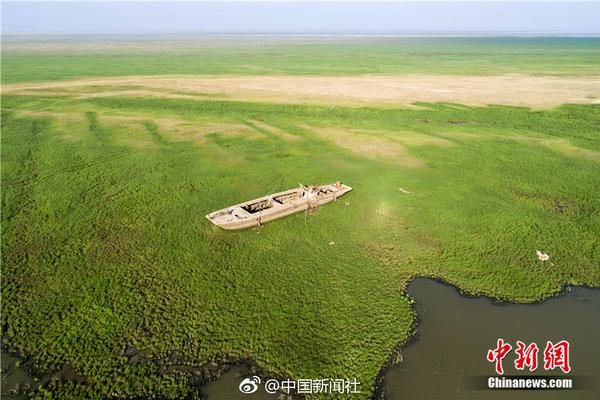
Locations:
(249, 385)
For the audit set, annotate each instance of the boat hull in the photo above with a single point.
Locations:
(278, 205)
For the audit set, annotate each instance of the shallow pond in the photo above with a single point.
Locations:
(448, 358)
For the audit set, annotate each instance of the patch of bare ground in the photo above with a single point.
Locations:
(562, 146)
(128, 131)
(407, 138)
(509, 89)
(49, 114)
(273, 130)
(66, 123)
(230, 130)
(175, 129)
(369, 146)
(142, 93)
(181, 130)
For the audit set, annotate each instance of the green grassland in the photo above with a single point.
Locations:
(109, 266)
(41, 59)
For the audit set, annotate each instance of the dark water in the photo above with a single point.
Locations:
(227, 387)
(20, 378)
(16, 380)
(448, 358)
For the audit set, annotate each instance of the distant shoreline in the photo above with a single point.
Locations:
(320, 35)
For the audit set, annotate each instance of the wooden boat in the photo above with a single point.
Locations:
(268, 208)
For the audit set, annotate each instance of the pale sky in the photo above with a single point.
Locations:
(342, 17)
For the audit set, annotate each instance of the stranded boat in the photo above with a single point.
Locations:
(268, 208)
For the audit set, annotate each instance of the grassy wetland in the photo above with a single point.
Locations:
(110, 268)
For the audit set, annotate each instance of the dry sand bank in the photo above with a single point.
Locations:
(512, 89)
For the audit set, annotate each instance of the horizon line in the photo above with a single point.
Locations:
(507, 33)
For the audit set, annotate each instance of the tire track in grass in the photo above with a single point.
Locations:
(27, 168)
(93, 125)
(19, 244)
(75, 168)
